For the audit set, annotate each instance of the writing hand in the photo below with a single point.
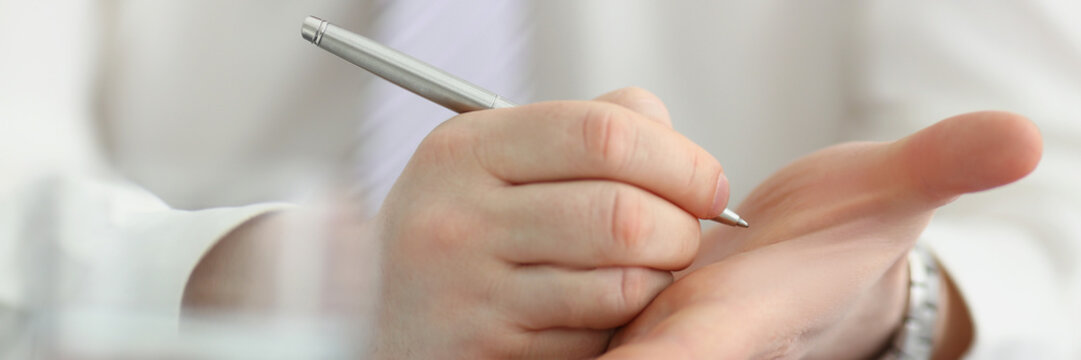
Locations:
(533, 231)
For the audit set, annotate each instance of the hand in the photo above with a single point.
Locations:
(533, 231)
(821, 273)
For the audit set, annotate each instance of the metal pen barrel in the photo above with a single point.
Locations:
(414, 75)
(422, 79)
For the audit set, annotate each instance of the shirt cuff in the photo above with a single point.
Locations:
(1009, 285)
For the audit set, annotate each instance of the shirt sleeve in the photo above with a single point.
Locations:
(1012, 251)
(79, 243)
(1019, 276)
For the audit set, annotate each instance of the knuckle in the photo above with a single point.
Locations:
(630, 285)
(629, 223)
(644, 102)
(696, 162)
(638, 94)
(703, 174)
(608, 137)
(635, 289)
(449, 141)
(686, 242)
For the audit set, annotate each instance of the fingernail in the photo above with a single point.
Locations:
(720, 196)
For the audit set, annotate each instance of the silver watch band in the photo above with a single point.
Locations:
(914, 339)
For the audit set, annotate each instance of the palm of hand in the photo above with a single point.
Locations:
(823, 263)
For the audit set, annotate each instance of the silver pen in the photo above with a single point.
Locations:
(422, 79)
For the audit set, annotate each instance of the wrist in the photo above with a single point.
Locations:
(936, 323)
(868, 330)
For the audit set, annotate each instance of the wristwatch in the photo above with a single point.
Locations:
(914, 339)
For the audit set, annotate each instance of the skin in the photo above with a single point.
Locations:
(536, 231)
(528, 232)
(821, 273)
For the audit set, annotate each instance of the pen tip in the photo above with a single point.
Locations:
(730, 218)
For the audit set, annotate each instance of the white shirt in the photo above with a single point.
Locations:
(74, 236)
(761, 83)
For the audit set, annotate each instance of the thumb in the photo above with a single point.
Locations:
(970, 152)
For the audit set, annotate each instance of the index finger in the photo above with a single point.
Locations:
(572, 140)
